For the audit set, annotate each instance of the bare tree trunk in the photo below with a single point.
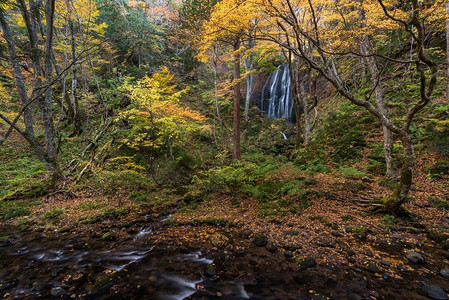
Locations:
(46, 104)
(75, 103)
(391, 172)
(249, 66)
(447, 46)
(236, 153)
(19, 80)
(217, 108)
(295, 95)
(307, 127)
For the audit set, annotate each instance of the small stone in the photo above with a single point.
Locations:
(325, 241)
(211, 271)
(57, 291)
(444, 273)
(445, 244)
(371, 267)
(351, 259)
(4, 240)
(240, 252)
(414, 256)
(445, 254)
(386, 276)
(271, 246)
(385, 263)
(366, 179)
(288, 253)
(260, 240)
(434, 292)
(307, 262)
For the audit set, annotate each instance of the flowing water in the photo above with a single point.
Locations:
(37, 265)
(34, 265)
(277, 100)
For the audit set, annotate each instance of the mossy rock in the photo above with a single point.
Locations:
(306, 262)
(105, 278)
(437, 235)
(438, 168)
(109, 236)
(219, 240)
(260, 240)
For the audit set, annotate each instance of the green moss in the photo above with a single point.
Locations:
(54, 214)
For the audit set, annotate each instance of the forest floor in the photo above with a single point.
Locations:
(337, 243)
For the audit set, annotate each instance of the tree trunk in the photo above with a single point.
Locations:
(217, 108)
(75, 104)
(447, 46)
(46, 103)
(307, 128)
(236, 154)
(391, 172)
(249, 66)
(19, 80)
(393, 202)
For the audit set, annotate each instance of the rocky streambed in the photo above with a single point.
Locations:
(79, 266)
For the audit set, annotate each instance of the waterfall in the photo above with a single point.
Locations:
(276, 98)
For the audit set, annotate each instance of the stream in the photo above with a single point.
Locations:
(39, 265)
(35, 265)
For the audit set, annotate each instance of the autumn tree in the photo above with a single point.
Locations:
(228, 24)
(155, 120)
(42, 91)
(333, 35)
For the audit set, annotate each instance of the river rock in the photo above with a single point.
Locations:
(434, 292)
(445, 273)
(288, 253)
(414, 256)
(371, 267)
(445, 254)
(260, 240)
(271, 246)
(211, 271)
(437, 235)
(445, 244)
(4, 240)
(307, 262)
(57, 291)
(325, 241)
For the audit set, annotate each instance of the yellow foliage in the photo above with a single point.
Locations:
(155, 117)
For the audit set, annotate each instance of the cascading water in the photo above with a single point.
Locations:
(276, 99)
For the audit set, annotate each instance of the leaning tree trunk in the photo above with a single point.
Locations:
(236, 153)
(19, 80)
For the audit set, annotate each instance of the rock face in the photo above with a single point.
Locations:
(434, 292)
(414, 256)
